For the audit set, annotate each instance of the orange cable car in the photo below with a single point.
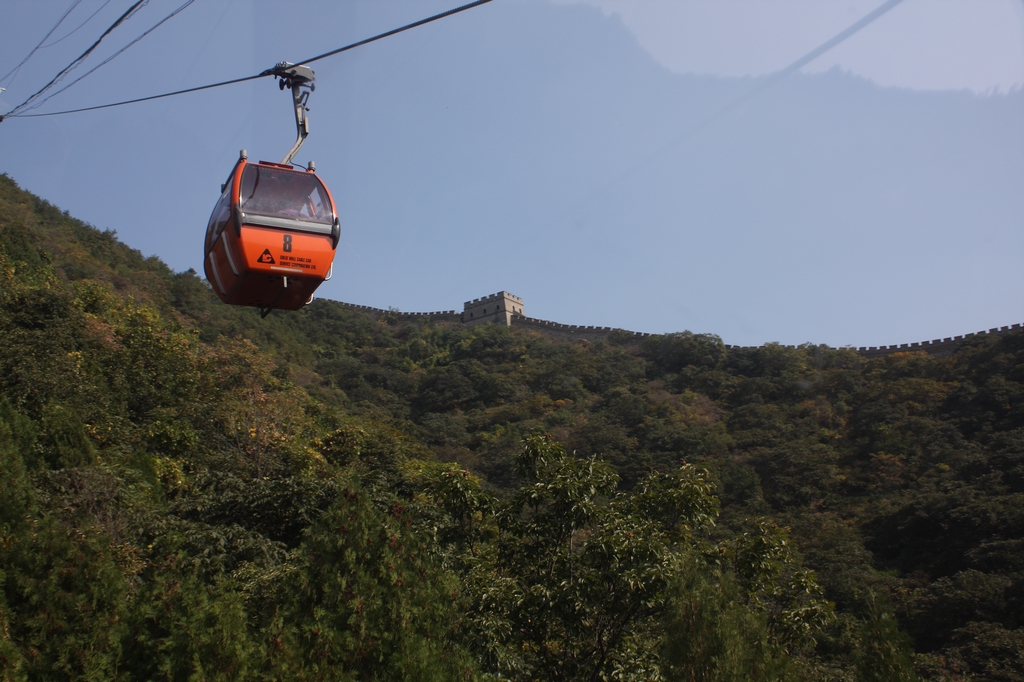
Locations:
(272, 236)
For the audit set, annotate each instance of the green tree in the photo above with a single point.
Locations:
(182, 628)
(769, 568)
(574, 584)
(711, 634)
(65, 599)
(369, 600)
(884, 651)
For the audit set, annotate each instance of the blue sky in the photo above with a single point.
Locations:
(570, 152)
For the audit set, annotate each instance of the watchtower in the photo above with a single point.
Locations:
(497, 308)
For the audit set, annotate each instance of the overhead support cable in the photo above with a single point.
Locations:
(757, 88)
(774, 78)
(76, 28)
(276, 70)
(863, 22)
(40, 44)
(388, 34)
(113, 56)
(140, 99)
(120, 20)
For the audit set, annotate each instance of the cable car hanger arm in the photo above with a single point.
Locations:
(300, 80)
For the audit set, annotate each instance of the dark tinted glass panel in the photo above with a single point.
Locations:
(284, 193)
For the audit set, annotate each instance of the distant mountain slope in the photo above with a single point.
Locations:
(143, 413)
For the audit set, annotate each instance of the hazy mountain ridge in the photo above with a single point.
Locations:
(511, 149)
(802, 186)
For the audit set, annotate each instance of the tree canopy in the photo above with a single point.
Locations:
(190, 492)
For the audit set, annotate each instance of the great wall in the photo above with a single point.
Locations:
(508, 309)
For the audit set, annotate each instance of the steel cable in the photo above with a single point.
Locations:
(120, 20)
(273, 71)
(40, 44)
(113, 56)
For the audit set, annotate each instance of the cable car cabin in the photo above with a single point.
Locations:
(272, 236)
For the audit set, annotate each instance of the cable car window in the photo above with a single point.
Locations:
(284, 193)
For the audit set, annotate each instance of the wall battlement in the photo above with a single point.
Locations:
(570, 331)
(937, 347)
(377, 313)
(504, 308)
(501, 295)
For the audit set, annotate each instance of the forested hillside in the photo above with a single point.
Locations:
(190, 492)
